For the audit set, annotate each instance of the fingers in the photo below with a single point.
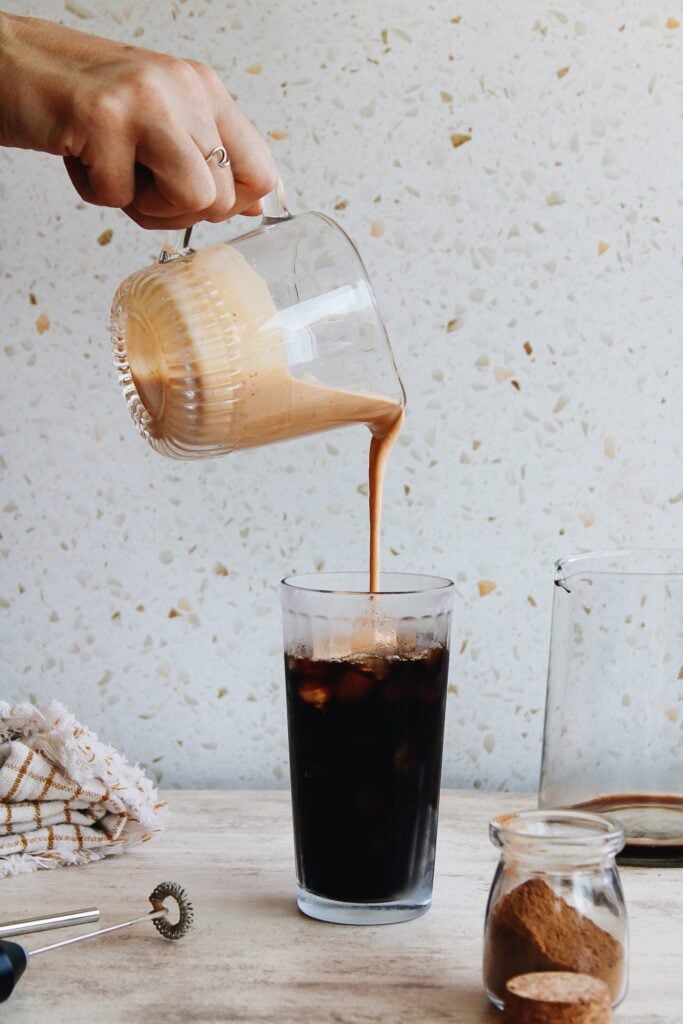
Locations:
(152, 202)
(255, 210)
(78, 173)
(106, 183)
(152, 210)
(225, 191)
(112, 176)
(187, 220)
(238, 188)
(143, 148)
(183, 181)
(253, 168)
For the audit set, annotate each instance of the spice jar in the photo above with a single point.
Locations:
(556, 902)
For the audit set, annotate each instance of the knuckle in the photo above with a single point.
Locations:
(262, 180)
(85, 193)
(152, 85)
(196, 198)
(154, 223)
(136, 217)
(105, 198)
(102, 109)
(144, 80)
(222, 207)
(184, 71)
(110, 191)
(117, 196)
(207, 76)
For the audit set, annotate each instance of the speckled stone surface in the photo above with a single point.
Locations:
(511, 174)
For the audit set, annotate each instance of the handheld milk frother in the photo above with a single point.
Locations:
(14, 958)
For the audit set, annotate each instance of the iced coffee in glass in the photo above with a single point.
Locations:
(366, 678)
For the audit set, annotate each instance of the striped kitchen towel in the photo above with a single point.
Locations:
(65, 796)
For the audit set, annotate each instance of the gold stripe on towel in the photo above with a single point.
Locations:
(20, 774)
(48, 782)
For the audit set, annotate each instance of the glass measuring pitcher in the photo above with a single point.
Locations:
(271, 336)
(613, 738)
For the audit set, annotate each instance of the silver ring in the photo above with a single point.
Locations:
(222, 154)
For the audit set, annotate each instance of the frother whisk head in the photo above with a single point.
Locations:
(171, 890)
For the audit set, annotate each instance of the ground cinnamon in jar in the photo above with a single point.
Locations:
(532, 929)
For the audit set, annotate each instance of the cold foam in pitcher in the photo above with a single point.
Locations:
(270, 337)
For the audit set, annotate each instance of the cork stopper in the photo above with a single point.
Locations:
(557, 997)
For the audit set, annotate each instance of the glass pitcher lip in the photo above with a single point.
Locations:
(578, 829)
(622, 562)
(422, 583)
(268, 225)
(335, 224)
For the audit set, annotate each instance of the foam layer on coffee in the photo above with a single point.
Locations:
(370, 635)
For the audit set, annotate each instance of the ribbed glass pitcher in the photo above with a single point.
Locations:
(271, 336)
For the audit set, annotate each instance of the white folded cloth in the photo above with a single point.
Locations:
(65, 796)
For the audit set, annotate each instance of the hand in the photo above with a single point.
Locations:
(134, 127)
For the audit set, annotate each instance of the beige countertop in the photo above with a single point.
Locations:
(252, 957)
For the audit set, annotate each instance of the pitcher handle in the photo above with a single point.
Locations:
(275, 205)
(275, 209)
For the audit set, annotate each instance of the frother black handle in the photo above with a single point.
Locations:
(13, 961)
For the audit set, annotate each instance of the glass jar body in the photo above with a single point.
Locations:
(556, 904)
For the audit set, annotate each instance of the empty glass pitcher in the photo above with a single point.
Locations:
(613, 739)
(271, 336)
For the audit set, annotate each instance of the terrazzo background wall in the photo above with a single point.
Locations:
(511, 173)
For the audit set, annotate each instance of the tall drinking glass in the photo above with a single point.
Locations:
(366, 682)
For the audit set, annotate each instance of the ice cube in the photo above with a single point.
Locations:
(313, 692)
(405, 757)
(353, 684)
(374, 666)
